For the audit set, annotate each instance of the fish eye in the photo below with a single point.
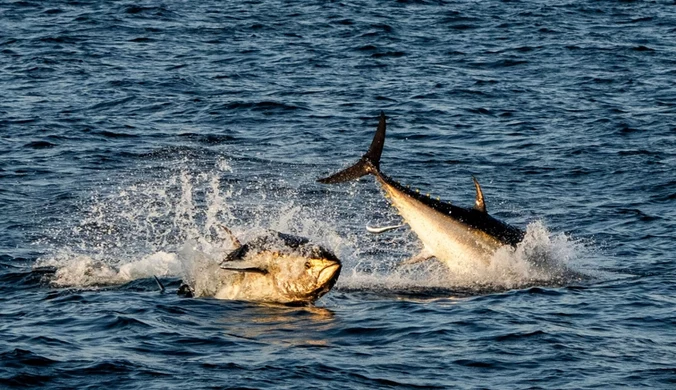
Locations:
(308, 265)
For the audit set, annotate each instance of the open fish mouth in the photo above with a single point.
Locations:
(330, 273)
(328, 277)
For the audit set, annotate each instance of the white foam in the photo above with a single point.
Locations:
(170, 227)
(541, 258)
(158, 264)
(84, 271)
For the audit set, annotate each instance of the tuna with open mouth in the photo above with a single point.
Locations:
(449, 233)
(273, 268)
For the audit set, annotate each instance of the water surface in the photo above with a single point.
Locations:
(130, 129)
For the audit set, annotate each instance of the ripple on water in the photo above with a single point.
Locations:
(129, 130)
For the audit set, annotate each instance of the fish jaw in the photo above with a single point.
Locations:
(327, 278)
(324, 278)
(451, 241)
(329, 273)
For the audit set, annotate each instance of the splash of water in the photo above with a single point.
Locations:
(542, 258)
(84, 271)
(170, 227)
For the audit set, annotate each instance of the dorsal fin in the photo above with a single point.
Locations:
(235, 242)
(479, 202)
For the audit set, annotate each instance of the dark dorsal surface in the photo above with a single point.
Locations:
(474, 218)
(280, 242)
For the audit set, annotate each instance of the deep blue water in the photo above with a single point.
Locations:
(128, 129)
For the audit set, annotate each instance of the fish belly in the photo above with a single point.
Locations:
(450, 241)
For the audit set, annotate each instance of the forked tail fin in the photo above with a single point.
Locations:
(368, 164)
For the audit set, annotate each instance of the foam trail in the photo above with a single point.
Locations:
(84, 271)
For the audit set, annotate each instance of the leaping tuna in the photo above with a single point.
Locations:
(449, 233)
(272, 268)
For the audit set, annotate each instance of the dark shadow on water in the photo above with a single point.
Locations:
(572, 281)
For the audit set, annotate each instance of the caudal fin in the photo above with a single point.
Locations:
(368, 164)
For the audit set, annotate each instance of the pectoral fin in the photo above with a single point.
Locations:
(382, 229)
(240, 266)
(424, 255)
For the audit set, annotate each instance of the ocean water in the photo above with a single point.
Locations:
(129, 130)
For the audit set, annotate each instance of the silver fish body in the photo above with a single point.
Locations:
(273, 268)
(449, 233)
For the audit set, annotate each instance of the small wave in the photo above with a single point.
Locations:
(117, 322)
(393, 54)
(210, 139)
(23, 364)
(505, 63)
(61, 39)
(519, 336)
(22, 357)
(148, 11)
(367, 48)
(39, 145)
(639, 152)
(113, 366)
(384, 27)
(111, 134)
(261, 106)
(141, 40)
(642, 48)
(463, 26)
(20, 278)
(110, 103)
